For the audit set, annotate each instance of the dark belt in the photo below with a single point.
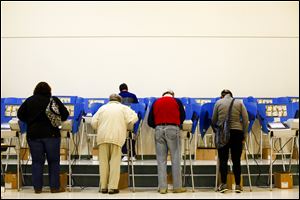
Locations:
(167, 124)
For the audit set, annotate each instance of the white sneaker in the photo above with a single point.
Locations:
(133, 158)
(125, 159)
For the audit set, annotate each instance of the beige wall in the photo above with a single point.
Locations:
(195, 48)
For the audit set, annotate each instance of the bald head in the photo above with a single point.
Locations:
(115, 97)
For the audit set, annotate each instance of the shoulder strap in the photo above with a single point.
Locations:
(229, 110)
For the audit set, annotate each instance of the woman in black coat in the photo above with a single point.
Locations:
(42, 137)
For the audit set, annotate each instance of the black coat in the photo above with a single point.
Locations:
(32, 112)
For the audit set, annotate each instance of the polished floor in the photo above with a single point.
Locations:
(151, 193)
(154, 162)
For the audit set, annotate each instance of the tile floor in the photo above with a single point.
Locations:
(151, 193)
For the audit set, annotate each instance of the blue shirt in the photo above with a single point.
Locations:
(128, 97)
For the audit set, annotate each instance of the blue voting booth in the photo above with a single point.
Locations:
(87, 102)
(9, 110)
(192, 113)
(202, 101)
(205, 117)
(185, 100)
(206, 112)
(251, 106)
(75, 107)
(94, 107)
(140, 109)
(149, 101)
(279, 109)
(203, 108)
(2, 110)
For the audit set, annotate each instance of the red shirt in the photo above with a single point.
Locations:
(166, 110)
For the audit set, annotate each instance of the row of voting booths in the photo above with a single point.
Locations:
(196, 130)
(261, 111)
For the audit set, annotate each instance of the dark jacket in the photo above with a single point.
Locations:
(166, 110)
(128, 98)
(32, 112)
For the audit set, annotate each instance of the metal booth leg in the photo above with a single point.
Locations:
(191, 165)
(81, 137)
(69, 135)
(217, 172)
(131, 163)
(184, 161)
(248, 169)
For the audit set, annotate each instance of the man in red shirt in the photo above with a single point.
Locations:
(166, 116)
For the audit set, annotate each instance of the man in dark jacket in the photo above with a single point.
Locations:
(166, 116)
(43, 138)
(127, 99)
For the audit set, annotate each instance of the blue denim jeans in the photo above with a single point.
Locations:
(168, 137)
(41, 149)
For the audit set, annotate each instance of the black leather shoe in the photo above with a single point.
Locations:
(113, 191)
(37, 191)
(104, 191)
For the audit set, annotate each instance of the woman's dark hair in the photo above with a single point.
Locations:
(224, 92)
(42, 88)
(122, 87)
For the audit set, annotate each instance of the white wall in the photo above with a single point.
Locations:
(195, 48)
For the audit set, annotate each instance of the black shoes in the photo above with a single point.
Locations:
(104, 191)
(38, 191)
(113, 191)
(222, 188)
(238, 189)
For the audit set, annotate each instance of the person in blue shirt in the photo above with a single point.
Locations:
(127, 99)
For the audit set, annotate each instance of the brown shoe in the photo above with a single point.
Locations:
(163, 191)
(57, 190)
(179, 190)
(38, 191)
(104, 191)
(113, 191)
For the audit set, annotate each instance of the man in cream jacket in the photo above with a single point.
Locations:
(111, 122)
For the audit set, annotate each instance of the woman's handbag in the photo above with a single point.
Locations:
(222, 132)
(53, 114)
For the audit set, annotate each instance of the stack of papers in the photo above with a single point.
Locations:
(5, 126)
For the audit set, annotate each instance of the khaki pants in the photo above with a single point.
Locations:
(109, 168)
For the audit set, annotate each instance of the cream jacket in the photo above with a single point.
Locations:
(112, 121)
